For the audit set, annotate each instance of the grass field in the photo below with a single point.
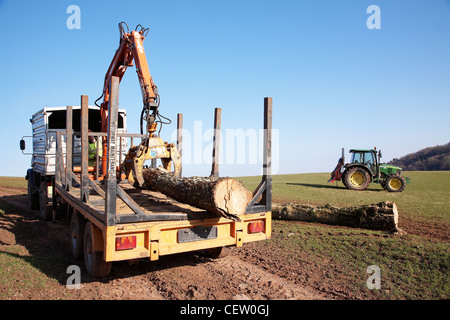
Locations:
(13, 182)
(412, 267)
(427, 196)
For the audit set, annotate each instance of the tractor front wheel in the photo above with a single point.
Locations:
(356, 178)
(395, 183)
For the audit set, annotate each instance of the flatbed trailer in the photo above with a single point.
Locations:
(112, 221)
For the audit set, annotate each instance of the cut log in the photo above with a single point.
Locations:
(224, 196)
(379, 216)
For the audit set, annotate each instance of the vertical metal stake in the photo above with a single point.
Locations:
(59, 158)
(111, 156)
(84, 149)
(216, 142)
(267, 165)
(120, 159)
(97, 157)
(69, 147)
(180, 139)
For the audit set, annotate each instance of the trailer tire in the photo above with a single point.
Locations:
(33, 198)
(215, 253)
(77, 226)
(46, 210)
(95, 265)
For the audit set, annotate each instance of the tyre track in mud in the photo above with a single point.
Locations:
(198, 278)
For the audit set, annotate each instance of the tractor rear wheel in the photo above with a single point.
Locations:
(356, 178)
(395, 183)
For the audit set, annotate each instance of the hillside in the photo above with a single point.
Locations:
(432, 158)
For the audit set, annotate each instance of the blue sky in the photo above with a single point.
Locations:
(335, 83)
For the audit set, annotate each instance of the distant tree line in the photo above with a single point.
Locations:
(428, 159)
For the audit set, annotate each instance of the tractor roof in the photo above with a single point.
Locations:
(360, 150)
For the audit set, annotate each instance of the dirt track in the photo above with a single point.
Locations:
(242, 275)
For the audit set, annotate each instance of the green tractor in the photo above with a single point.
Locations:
(365, 167)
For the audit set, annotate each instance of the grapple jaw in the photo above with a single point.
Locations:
(150, 148)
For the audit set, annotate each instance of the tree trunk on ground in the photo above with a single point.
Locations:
(379, 216)
(224, 196)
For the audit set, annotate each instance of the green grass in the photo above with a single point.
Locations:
(427, 196)
(18, 274)
(412, 267)
(13, 182)
(28, 268)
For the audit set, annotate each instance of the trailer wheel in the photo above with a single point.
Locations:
(215, 253)
(33, 198)
(77, 226)
(45, 208)
(95, 265)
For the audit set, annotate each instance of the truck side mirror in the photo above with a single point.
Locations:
(380, 153)
(22, 144)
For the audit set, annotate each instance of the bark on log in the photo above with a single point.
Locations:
(224, 196)
(379, 216)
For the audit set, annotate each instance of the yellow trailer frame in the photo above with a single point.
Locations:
(155, 231)
(155, 239)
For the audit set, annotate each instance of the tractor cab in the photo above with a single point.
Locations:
(367, 158)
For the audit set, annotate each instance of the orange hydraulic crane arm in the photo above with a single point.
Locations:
(131, 48)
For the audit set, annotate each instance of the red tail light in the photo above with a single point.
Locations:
(125, 243)
(256, 226)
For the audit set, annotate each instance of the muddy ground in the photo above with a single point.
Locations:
(182, 276)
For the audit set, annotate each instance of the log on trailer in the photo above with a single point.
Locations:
(379, 216)
(224, 196)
